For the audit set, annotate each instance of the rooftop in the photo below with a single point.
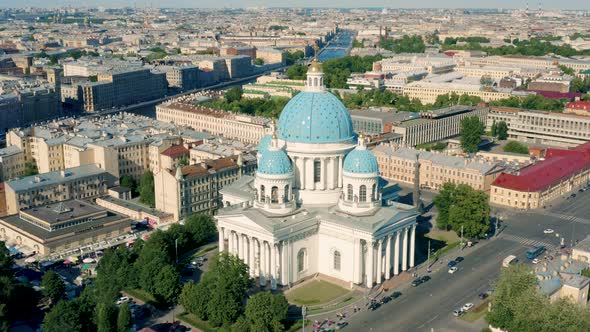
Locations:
(55, 178)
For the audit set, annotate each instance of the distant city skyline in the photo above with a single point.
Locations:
(508, 4)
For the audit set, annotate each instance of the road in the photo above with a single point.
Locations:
(430, 305)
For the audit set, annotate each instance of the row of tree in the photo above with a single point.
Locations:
(148, 265)
(517, 305)
(406, 44)
(219, 299)
(532, 47)
(233, 102)
(500, 130)
(145, 188)
(462, 208)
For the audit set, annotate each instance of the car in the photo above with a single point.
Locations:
(457, 312)
(453, 270)
(341, 325)
(395, 295)
(451, 264)
(573, 196)
(483, 296)
(385, 299)
(535, 261)
(467, 306)
(459, 259)
(548, 231)
(417, 282)
(122, 300)
(425, 278)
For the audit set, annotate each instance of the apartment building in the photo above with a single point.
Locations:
(435, 169)
(244, 128)
(538, 62)
(427, 92)
(12, 163)
(410, 62)
(81, 182)
(60, 227)
(374, 121)
(195, 189)
(578, 107)
(541, 127)
(181, 77)
(533, 187)
(438, 124)
(494, 72)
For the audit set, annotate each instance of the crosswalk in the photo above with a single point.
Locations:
(564, 216)
(528, 242)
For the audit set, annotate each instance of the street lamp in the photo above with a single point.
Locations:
(303, 312)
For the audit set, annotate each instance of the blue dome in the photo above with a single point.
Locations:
(361, 161)
(315, 117)
(274, 162)
(264, 143)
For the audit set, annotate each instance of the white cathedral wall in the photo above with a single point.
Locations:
(330, 242)
(310, 244)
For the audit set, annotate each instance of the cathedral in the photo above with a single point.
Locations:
(317, 204)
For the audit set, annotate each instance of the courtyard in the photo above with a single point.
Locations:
(315, 292)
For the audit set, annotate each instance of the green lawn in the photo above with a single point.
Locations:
(142, 295)
(196, 322)
(476, 313)
(315, 292)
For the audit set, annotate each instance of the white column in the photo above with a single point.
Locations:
(284, 265)
(323, 177)
(356, 261)
(221, 239)
(388, 258)
(273, 266)
(309, 173)
(263, 274)
(369, 270)
(405, 251)
(230, 240)
(241, 246)
(331, 173)
(301, 164)
(340, 158)
(252, 264)
(396, 254)
(380, 262)
(412, 245)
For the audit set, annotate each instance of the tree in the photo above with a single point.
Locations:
(259, 61)
(5, 261)
(502, 130)
(233, 94)
(265, 311)
(124, 320)
(462, 206)
(516, 147)
(486, 80)
(64, 316)
(167, 285)
(471, 130)
(194, 298)
(146, 189)
(443, 202)
(53, 286)
(105, 314)
(129, 182)
(31, 168)
(494, 130)
(297, 72)
(201, 228)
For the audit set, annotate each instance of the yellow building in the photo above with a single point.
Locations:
(12, 163)
(427, 92)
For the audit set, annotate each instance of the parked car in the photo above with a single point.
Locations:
(395, 295)
(467, 306)
(459, 259)
(535, 261)
(483, 296)
(451, 264)
(548, 231)
(457, 312)
(385, 299)
(453, 270)
(417, 282)
(341, 325)
(425, 278)
(122, 300)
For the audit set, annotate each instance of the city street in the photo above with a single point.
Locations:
(430, 305)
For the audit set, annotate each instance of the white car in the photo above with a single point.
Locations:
(453, 270)
(122, 300)
(467, 306)
(548, 231)
(535, 261)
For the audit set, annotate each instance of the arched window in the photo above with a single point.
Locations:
(274, 195)
(286, 194)
(363, 193)
(337, 260)
(301, 260)
(262, 194)
(349, 193)
(315, 81)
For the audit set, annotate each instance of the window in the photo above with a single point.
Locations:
(317, 171)
(262, 193)
(301, 260)
(274, 195)
(337, 260)
(286, 194)
(363, 193)
(349, 192)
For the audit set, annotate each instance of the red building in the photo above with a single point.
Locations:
(578, 107)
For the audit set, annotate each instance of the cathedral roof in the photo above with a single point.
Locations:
(264, 143)
(361, 161)
(315, 117)
(274, 162)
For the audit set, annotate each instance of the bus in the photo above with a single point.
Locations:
(532, 253)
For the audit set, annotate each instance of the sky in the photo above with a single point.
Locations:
(533, 4)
